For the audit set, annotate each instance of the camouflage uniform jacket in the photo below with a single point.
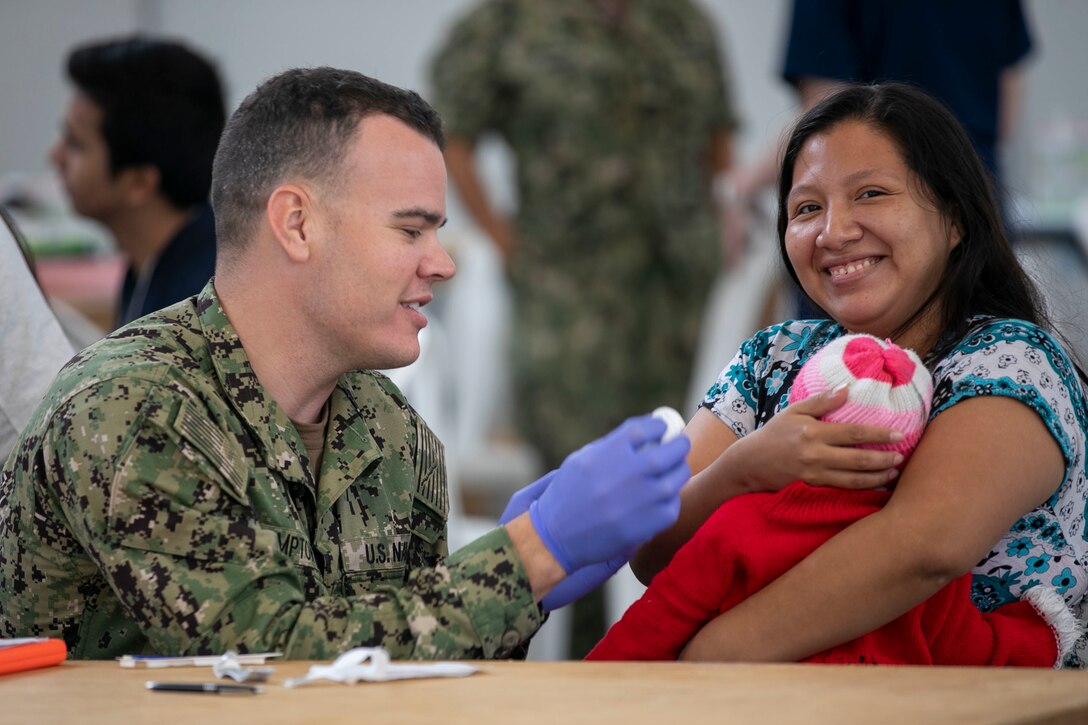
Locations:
(159, 501)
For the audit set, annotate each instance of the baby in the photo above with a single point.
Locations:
(753, 539)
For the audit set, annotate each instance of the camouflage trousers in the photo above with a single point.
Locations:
(588, 354)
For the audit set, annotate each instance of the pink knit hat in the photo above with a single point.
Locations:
(888, 387)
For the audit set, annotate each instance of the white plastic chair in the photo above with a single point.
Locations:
(738, 300)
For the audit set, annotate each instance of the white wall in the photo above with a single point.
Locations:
(252, 39)
(1055, 105)
(35, 36)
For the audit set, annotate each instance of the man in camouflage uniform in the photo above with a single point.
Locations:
(617, 116)
(225, 473)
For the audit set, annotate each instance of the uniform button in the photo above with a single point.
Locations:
(510, 640)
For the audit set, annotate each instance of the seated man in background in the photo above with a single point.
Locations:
(135, 154)
(230, 473)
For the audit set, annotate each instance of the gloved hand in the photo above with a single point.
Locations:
(582, 582)
(519, 502)
(613, 494)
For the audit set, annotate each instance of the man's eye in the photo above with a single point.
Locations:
(413, 233)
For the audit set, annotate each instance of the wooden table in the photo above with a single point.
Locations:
(564, 692)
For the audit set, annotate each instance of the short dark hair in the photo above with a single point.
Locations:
(299, 122)
(162, 105)
(982, 275)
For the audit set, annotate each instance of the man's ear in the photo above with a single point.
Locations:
(290, 215)
(139, 183)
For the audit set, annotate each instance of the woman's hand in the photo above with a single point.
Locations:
(795, 445)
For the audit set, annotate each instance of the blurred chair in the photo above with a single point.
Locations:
(1058, 265)
(743, 300)
(477, 311)
(476, 308)
(34, 346)
(79, 330)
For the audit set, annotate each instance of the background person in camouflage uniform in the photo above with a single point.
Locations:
(617, 115)
(225, 473)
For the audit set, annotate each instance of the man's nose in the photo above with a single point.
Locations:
(437, 264)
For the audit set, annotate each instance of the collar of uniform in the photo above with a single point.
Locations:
(350, 448)
(268, 422)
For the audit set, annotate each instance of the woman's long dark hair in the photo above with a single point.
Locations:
(983, 275)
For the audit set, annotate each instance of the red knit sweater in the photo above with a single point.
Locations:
(753, 539)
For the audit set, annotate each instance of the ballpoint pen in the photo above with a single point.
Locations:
(154, 661)
(211, 688)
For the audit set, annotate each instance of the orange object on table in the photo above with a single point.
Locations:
(32, 655)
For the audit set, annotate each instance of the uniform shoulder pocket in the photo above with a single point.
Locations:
(431, 502)
(219, 451)
(178, 489)
(432, 488)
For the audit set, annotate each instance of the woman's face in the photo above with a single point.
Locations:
(866, 244)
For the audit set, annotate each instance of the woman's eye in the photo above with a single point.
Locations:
(871, 193)
(807, 208)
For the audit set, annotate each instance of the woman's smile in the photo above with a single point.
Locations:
(844, 272)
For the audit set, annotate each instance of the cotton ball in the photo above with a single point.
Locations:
(674, 422)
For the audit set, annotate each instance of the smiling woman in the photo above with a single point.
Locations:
(888, 221)
(862, 238)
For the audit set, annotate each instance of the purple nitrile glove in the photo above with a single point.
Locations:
(582, 582)
(519, 502)
(612, 495)
(579, 583)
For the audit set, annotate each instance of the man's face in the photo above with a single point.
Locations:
(379, 253)
(82, 159)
